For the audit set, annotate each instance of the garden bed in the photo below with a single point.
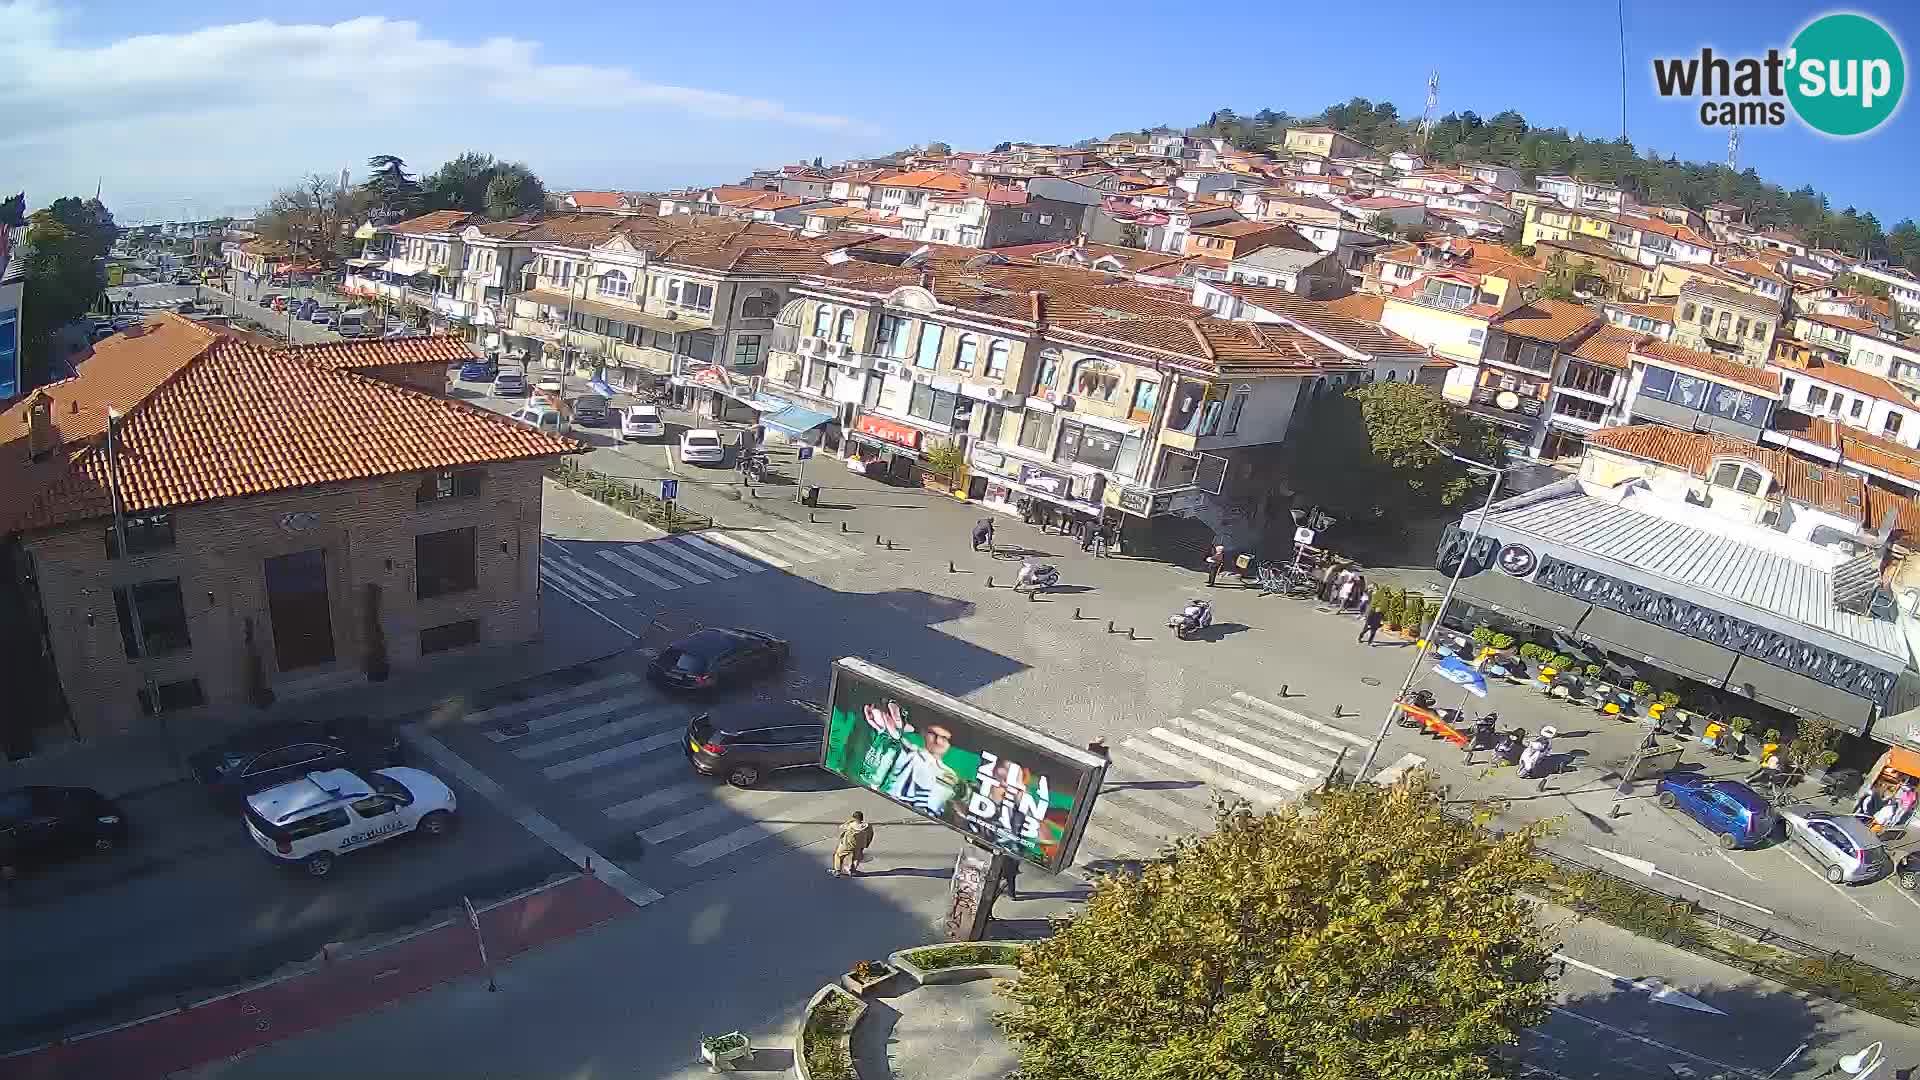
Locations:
(963, 962)
(627, 498)
(823, 1050)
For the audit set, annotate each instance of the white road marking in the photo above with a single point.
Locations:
(1215, 777)
(1906, 895)
(597, 733)
(685, 553)
(1655, 1043)
(747, 549)
(1287, 783)
(614, 590)
(1657, 991)
(716, 551)
(1302, 719)
(641, 551)
(577, 714)
(552, 580)
(595, 760)
(1841, 889)
(818, 546)
(771, 822)
(1652, 871)
(637, 570)
(666, 796)
(603, 617)
(532, 820)
(1725, 858)
(1268, 756)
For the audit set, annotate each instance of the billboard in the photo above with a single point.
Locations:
(9, 353)
(1007, 786)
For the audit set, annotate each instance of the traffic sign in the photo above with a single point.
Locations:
(806, 452)
(1303, 536)
(669, 490)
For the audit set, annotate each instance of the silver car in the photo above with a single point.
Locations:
(1846, 849)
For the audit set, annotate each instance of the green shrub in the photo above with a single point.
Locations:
(1483, 636)
(935, 957)
(1669, 698)
(1500, 641)
(1594, 671)
(1562, 662)
(827, 1056)
(1641, 687)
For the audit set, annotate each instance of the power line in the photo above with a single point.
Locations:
(1620, 20)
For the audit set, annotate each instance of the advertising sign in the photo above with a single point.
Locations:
(888, 431)
(1007, 786)
(9, 353)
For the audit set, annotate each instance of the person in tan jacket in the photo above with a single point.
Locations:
(855, 835)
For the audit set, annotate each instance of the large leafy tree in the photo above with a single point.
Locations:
(514, 190)
(1367, 452)
(67, 244)
(1365, 934)
(467, 183)
(391, 191)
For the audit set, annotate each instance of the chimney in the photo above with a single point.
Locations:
(41, 438)
(1039, 309)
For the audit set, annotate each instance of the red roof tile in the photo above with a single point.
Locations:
(1670, 355)
(1548, 320)
(1812, 483)
(1609, 346)
(438, 221)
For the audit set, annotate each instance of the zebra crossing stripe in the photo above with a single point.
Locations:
(637, 570)
(1306, 743)
(554, 581)
(557, 697)
(614, 589)
(1264, 775)
(1268, 756)
(1212, 776)
(653, 800)
(574, 715)
(1179, 812)
(629, 725)
(684, 553)
(747, 549)
(1137, 825)
(641, 551)
(1301, 719)
(686, 823)
(772, 820)
(713, 550)
(810, 544)
(611, 754)
(625, 782)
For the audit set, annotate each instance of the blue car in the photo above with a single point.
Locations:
(1729, 809)
(479, 371)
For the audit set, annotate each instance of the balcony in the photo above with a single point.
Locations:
(489, 278)
(1506, 408)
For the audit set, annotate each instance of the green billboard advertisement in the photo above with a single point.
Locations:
(1006, 786)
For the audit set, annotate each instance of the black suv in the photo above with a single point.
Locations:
(761, 739)
(268, 756)
(714, 658)
(41, 824)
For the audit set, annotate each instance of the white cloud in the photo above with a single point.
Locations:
(47, 84)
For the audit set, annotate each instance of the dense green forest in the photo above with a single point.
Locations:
(1506, 138)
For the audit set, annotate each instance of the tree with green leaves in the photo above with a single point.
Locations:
(65, 259)
(392, 193)
(1366, 452)
(1364, 933)
(513, 191)
(467, 183)
(1383, 225)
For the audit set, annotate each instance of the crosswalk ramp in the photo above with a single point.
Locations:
(1168, 780)
(590, 572)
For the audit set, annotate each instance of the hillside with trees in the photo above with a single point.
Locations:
(1507, 139)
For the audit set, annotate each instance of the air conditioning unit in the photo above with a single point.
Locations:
(887, 367)
(810, 346)
(1005, 393)
(839, 349)
(922, 377)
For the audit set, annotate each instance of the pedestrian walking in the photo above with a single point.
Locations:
(1214, 561)
(1371, 628)
(1356, 594)
(1345, 591)
(1010, 878)
(855, 836)
(983, 534)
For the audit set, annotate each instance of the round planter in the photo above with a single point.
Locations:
(958, 973)
(846, 1037)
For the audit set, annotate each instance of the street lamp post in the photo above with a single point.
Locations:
(1426, 637)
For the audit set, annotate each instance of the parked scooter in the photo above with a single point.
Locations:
(1908, 872)
(1190, 620)
(753, 466)
(1420, 698)
(1036, 577)
(1508, 748)
(1533, 758)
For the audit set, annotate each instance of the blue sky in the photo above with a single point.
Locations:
(211, 106)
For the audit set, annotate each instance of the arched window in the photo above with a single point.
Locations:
(760, 305)
(997, 360)
(1095, 379)
(963, 353)
(1048, 372)
(615, 283)
(843, 329)
(1393, 376)
(822, 318)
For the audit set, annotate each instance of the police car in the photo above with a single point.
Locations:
(314, 820)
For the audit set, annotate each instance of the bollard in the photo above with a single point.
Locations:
(588, 868)
(950, 568)
(1337, 711)
(889, 545)
(1031, 594)
(876, 540)
(1130, 636)
(1110, 628)
(989, 581)
(1076, 614)
(1613, 810)
(811, 520)
(1283, 690)
(843, 526)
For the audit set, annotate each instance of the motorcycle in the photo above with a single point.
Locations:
(753, 467)
(1534, 757)
(1190, 620)
(1908, 872)
(1036, 577)
(1508, 748)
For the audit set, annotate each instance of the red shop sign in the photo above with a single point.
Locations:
(898, 434)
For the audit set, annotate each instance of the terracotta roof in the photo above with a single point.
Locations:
(235, 419)
(1656, 312)
(1382, 202)
(1755, 268)
(932, 179)
(1366, 307)
(1592, 247)
(1548, 320)
(1721, 294)
(119, 373)
(1609, 346)
(1905, 508)
(359, 355)
(1814, 429)
(1810, 483)
(1844, 322)
(1860, 382)
(597, 200)
(1364, 336)
(1670, 355)
(437, 222)
(1874, 452)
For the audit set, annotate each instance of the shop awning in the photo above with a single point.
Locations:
(1523, 600)
(613, 312)
(1790, 690)
(796, 420)
(1659, 646)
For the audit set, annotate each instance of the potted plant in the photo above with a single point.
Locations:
(1500, 642)
(1393, 607)
(1641, 688)
(866, 975)
(721, 1051)
(1740, 725)
(1482, 635)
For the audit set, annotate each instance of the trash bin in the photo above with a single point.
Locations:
(812, 496)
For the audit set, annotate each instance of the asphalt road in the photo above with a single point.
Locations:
(275, 321)
(193, 907)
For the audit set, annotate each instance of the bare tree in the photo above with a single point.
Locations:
(313, 218)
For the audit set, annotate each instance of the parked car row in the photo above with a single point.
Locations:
(1845, 848)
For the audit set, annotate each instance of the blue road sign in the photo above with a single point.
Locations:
(806, 452)
(669, 490)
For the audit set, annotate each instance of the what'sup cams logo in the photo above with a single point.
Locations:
(1843, 75)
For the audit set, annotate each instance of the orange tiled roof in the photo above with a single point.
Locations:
(1671, 355)
(119, 373)
(597, 200)
(1811, 483)
(1874, 452)
(1365, 336)
(931, 179)
(1656, 312)
(234, 419)
(1548, 320)
(1844, 322)
(1814, 429)
(1905, 509)
(1860, 382)
(360, 355)
(438, 221)
(1366, 307)
(1609, 346)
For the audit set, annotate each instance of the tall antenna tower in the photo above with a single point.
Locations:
(1433, 102)
(1733, 149)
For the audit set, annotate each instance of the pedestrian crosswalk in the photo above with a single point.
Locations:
(613, 746)
(589, 572)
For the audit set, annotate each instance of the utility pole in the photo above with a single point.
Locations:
(1427, 117)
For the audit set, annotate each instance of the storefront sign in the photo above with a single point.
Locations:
(948, 384)
(1518, 560)
(1185, 499)
(980, 391)
(1135, 501)
(992, 460)
(889, 431)
(1041, 404)
(988, 778)
(1059, 485)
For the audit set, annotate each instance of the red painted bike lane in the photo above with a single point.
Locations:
(235, 1023)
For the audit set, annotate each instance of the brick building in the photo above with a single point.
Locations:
(294, 519)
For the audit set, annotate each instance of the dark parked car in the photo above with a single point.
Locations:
(1734, 812)
(713, 658)
(745, 747)
(590, 409)
(267, 756)
(39, 825)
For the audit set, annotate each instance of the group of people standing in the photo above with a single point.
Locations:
(1885, 807)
